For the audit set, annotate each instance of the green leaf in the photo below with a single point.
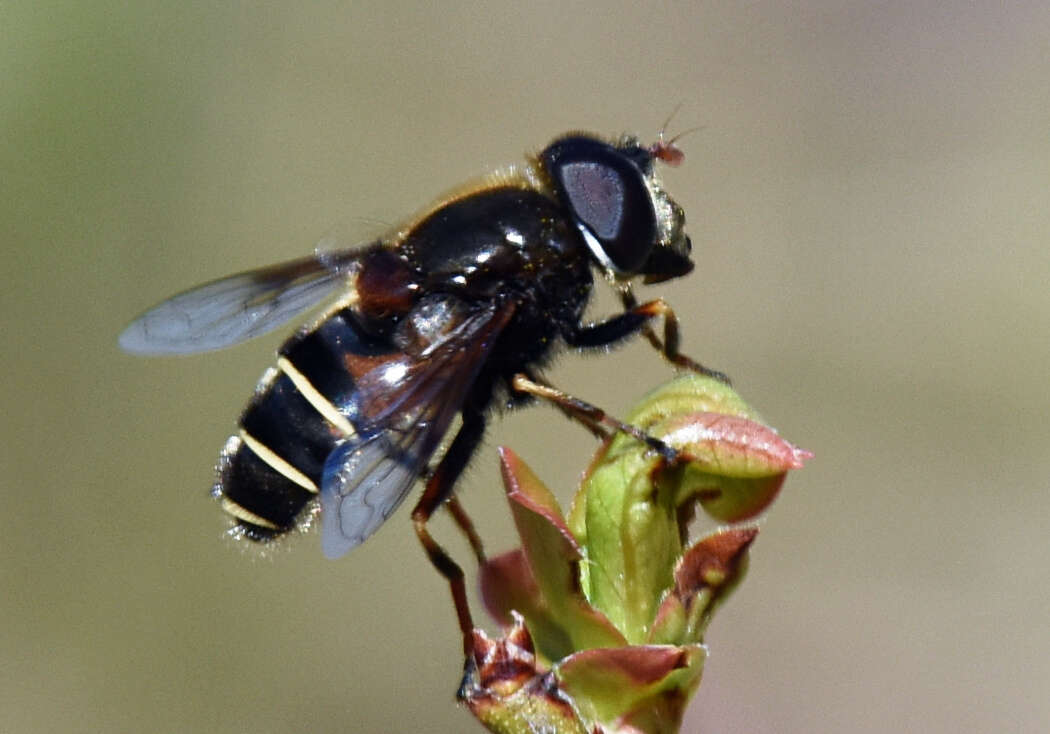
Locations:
(638, 688)
(689, 393)
(706, 575)
(632, 538)
(734, 466)
(508, 586)
(552, 557)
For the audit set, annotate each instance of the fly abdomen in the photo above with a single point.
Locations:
(270, 471)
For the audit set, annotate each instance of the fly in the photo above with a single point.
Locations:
(452, 311)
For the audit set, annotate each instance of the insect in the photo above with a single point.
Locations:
(450, 312)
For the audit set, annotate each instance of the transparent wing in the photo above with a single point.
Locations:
(364, 481)
(230, 310)
(407, 407)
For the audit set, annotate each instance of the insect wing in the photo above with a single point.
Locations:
(406, 407)
(364, 481)
(233, 309)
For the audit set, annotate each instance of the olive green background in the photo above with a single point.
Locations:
(868, 201)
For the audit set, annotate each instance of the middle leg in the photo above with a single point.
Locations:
(590, 415)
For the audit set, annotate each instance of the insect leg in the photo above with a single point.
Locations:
(438, 489)
(588, 414)
(466, 525)
(587, 420)
(634, 319)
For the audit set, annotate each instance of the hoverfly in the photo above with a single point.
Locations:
(451, 311)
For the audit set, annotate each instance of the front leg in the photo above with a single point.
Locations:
(636, 319)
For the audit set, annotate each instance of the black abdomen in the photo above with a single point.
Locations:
(270, 471)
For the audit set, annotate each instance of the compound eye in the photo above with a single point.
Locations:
(605, 191)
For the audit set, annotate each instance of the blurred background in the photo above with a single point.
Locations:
(868, 201)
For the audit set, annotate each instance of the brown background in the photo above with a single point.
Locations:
(869, 206)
